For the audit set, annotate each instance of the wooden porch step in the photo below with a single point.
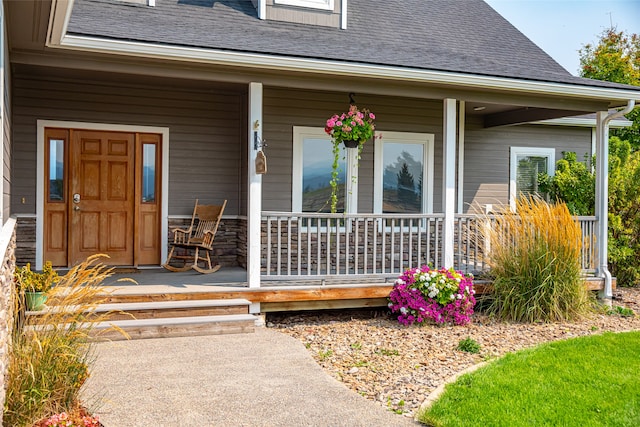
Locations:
(154, 319)
(168, 309)
(176, 327)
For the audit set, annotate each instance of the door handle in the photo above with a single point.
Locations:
(76, 208)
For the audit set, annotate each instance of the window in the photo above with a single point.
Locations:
(312, 161)
(403, 173)
(56, 170)
(148, 173)
(526, 164)
(314, 4)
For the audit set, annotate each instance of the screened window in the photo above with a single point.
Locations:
(526, 165)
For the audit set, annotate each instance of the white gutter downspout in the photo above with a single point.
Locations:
(602, 195)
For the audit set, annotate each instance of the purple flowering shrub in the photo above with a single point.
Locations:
(444, 296)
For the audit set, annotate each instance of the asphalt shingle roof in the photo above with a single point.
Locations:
(465, 36)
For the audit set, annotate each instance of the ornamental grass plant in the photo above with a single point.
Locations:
(50, 354)
(535, 264)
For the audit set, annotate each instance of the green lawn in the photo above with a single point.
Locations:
(588, 381)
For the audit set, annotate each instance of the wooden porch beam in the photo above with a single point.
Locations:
(283, 295)
(526, 115)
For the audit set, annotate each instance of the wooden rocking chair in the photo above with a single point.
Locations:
(197, 238)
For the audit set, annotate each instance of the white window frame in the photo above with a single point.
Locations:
(299, 134)
(311, 4)
(427, 140)
(163, 174)
(549, 153)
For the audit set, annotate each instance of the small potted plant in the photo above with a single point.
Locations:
(352, 129)
(35, 285)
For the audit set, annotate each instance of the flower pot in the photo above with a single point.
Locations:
(35, 300)
(350, 143)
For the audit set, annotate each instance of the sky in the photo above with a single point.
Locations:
(562, 27)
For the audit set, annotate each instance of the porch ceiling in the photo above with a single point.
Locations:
(27, 23)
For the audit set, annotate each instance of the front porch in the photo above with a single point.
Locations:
(285, 294)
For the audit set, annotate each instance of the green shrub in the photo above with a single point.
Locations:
(621, 311)
(574, 183)
(535, 264)
(469, 345)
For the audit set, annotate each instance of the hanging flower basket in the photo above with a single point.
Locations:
(353, 129)
(354, 126)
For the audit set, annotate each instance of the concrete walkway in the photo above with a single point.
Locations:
(261, 379)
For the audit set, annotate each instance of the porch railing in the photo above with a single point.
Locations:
(311, 244)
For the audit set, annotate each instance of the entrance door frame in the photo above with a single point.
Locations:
(40, 167)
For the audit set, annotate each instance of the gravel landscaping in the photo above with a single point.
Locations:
(399, 366)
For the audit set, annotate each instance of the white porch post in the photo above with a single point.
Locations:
(254, 213)
(602, 195)
(461, 126)
(351, 205)
(448, 180)
(602, 202)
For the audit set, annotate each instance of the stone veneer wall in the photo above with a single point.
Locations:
(242, 242)
(225, 245)
(229, 246)
(26, 240)
(7, 301)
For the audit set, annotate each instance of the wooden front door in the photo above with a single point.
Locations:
(101, 196)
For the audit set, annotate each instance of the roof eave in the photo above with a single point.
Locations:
(583, 122)
(58, 38)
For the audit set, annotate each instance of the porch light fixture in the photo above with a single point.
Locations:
(258, 143)
(479, 108)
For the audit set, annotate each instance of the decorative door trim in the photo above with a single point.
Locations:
(40, 179)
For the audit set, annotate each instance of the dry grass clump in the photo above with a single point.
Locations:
(50, 353)
(535, 264)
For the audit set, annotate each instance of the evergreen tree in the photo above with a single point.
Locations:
(406, 187)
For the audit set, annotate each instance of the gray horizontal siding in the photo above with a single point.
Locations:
(285, 108)
(6, 166)
(204, 129)
(486, 169)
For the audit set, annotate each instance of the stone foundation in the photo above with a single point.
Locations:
(226, 245)
(7, 301)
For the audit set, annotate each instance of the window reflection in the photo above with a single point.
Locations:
(402, 177)
(149, 173)
(56, 170)
(317, 164)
